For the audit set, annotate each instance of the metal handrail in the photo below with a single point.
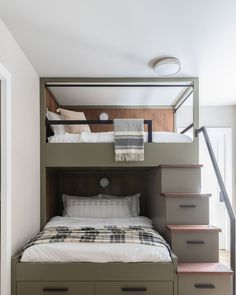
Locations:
(225, 198)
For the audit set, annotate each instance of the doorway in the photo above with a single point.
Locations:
(221, 140)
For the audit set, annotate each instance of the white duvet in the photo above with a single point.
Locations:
(84, 252)
(94, 137)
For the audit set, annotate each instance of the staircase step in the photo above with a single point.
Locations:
(194, 243)
(185, 194)
(192, 228)
(180, 166)
(204, 278)
(203, 268)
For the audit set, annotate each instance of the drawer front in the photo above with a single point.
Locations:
(135, 288)
(205, 285)
(196, 247)
(181, 180)
(186, 210)
(55, 288)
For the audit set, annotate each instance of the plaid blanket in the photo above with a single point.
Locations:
(129, 139)
(107, 234)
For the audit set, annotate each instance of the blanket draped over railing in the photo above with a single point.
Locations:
(106, 234)
(129, 139)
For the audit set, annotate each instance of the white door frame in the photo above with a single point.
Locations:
(6, 136)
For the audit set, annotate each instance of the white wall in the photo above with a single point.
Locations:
(222, 116)
(25, 140)
(217, 116)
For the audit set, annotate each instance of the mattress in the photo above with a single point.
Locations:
(94, 252)
(102, 137)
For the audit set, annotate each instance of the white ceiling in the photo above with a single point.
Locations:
(110, 38)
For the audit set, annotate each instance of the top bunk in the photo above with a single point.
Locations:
(78, 117)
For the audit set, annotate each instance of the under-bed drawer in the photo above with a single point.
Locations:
(46, 288)
(142, 288)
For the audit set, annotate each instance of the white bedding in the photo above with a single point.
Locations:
(92, 252)
(109, 137)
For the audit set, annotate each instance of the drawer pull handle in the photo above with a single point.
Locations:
(187, 206)
(195, 242)
(55, 289)
(204, 286)
(133, 289)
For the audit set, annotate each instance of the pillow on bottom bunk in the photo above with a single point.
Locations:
(95, 207)
(135, 207)
(68, 200)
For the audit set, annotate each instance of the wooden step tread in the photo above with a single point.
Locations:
(185, 194)
(203, 268)
(180, 166)
(192, 228)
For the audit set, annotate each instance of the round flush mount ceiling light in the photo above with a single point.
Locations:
(167, 66)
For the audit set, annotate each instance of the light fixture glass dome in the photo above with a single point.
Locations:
(167, 66)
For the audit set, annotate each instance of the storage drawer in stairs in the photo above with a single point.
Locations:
(181, 178)
(44, 288)
(204, 285)
(204, 279)
(122, 288)
(194, 243)
(186, 208)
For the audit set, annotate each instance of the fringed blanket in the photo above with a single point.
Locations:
(107, 234)
(129, 139)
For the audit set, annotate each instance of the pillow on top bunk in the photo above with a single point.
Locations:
(87, 207)
(134, 199)
(57, 129)
(71, 115)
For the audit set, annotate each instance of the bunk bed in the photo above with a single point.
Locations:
(77, 168)
(161, 121)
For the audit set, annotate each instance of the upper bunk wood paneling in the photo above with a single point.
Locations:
(162, 119)
(50, 101)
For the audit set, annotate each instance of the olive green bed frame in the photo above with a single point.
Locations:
(29, 277)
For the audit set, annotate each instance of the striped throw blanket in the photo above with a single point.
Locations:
(129, 139)
(106, 234)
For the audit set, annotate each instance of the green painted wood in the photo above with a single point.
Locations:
(118, 288)
(67, 288)
(186, 252)
(222, 284)
(185, 210)
(47, 272)
(102, 155)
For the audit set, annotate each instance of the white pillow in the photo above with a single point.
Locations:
(96, 207)
(67, 200)
(134, 199)
(57, 129)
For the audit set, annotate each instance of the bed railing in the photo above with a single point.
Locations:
(225, 198)
(93, 122)
(187, 129)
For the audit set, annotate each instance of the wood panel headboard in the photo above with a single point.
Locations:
(86, 182)
(162, 118)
